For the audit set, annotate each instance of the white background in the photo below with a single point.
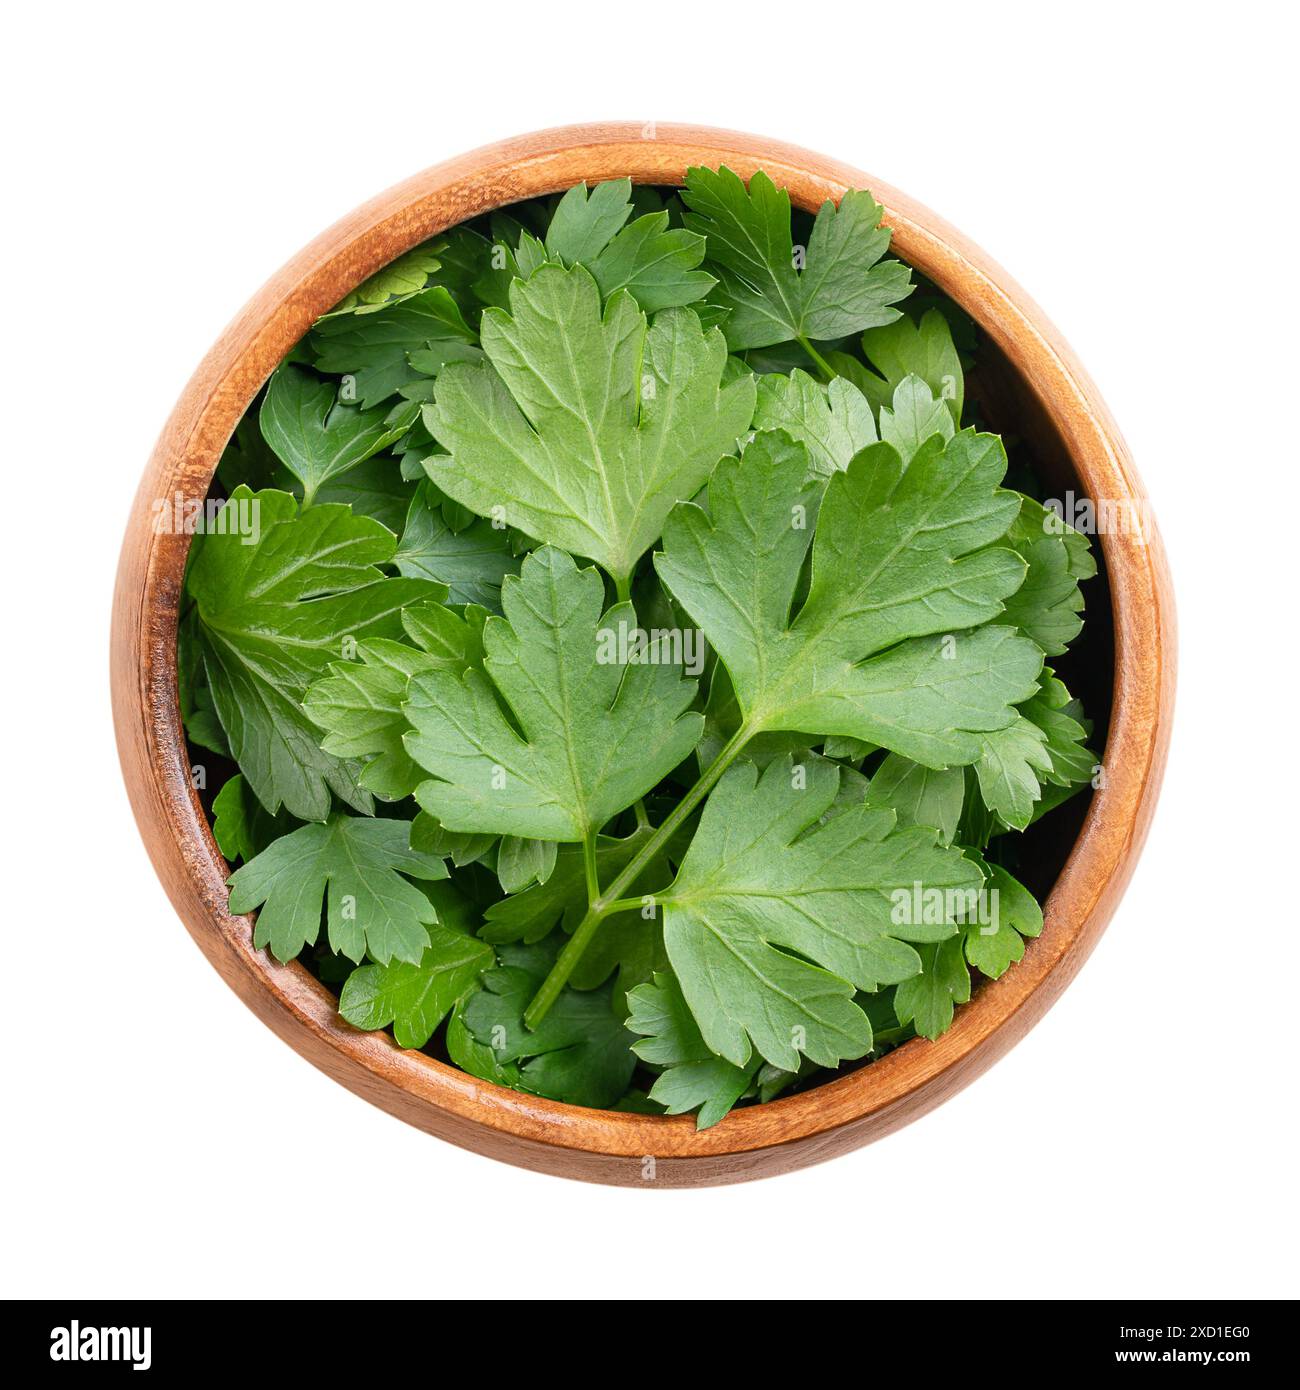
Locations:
(1133, 166)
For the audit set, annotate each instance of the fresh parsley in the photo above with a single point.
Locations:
(633, 670)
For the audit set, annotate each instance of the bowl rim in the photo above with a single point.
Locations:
(609, 1146)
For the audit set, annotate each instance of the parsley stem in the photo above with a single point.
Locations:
(589, 866)
(630, 904)
(823, 366)
(611, 899)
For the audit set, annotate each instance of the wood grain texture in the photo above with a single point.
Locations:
(634, 1150)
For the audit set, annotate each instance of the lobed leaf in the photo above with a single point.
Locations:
(583, 429)
(589, 736)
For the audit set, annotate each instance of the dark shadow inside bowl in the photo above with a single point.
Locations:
(1008, 406)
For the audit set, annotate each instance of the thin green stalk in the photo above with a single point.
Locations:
(623, 587)
(823, 366)
(589, 867)
(629, 904)
(612, 898)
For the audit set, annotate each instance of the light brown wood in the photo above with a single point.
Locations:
(634, 1150)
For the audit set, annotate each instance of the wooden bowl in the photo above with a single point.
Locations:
(1032, 378)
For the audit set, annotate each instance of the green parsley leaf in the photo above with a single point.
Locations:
(415, 998)
(837, 286)
(581, 1052)
(1060, 719)
(583, 223)
(374, 488)
(372, 907)
(471, 561)
(926, 1001)
(582, 429)
(407, 275)
(359, 703)
(592, 737)
(775, 920)
(1044, 746)
(240, 825)
(376, 350)
(313, 433)
(523, 862)
(1008, 769)
(655, 265)
(919, 795)
(922, 349)
(990, 942)
(1048, 607)
(429, 837)
(1036, 520)
(993, 945)
(900, 553)
(833, 422)
(693, 1078)
(475, 1057)
(270, 617)
(912, 417)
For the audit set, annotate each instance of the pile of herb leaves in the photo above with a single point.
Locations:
(637, 672)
